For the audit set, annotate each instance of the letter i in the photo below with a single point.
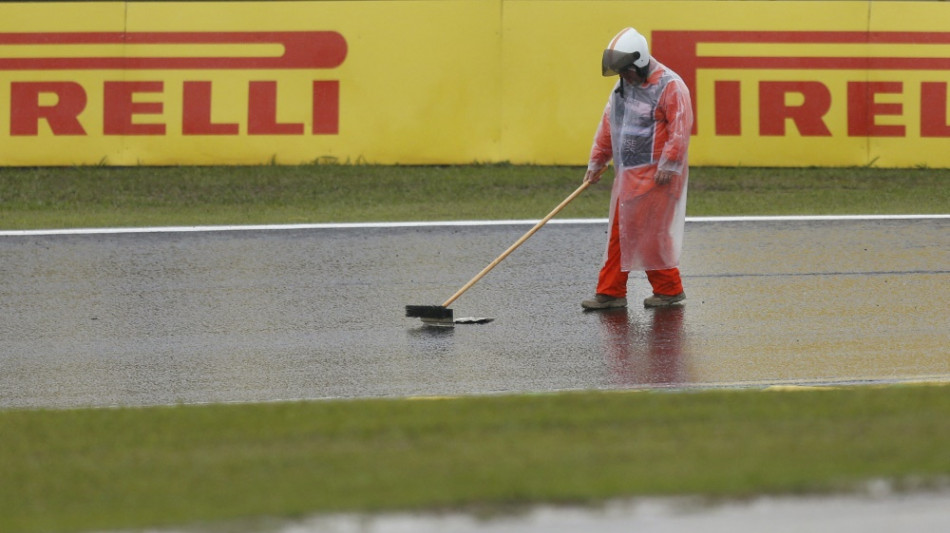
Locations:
(728, 108)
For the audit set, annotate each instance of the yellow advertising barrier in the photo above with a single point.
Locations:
(435, 82)
(249, 82)
(773, 83)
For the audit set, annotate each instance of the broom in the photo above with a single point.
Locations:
(441, 315)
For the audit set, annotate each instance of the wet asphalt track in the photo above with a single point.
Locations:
(248, 316)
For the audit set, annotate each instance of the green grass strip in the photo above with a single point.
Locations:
(75, 470)
(36, 198)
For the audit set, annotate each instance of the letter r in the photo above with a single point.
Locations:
(62, 117)
(773, 111)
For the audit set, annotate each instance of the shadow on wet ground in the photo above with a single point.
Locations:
(246, 316)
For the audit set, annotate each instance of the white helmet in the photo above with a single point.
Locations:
(627, 49)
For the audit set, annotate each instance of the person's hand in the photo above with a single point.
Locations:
(593, 176)
(663, 177)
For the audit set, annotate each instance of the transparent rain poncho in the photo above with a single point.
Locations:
(646, 128)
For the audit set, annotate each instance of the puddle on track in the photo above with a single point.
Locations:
(859, 513)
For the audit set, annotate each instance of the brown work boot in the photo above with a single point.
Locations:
(662, 300)
(602, 301)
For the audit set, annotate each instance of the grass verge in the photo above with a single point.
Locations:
(100, 469)
(35, 198)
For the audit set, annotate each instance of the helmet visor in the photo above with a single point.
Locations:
(614, 62)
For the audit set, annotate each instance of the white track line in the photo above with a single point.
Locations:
(462, 223)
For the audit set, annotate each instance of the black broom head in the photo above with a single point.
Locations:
(429, 311)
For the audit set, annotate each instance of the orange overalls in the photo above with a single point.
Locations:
(652, 122)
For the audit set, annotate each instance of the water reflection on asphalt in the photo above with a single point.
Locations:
(645, 350)
(246, 316)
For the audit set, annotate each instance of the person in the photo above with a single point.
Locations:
(645, 131)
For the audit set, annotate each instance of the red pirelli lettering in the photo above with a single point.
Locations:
(728, 105)
(933, 96)
(120, 107)
(62, 116)
(864, 108)
(679, 50)
(138, 107)
(196, 112)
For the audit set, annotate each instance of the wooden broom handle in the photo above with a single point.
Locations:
(517, 243)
